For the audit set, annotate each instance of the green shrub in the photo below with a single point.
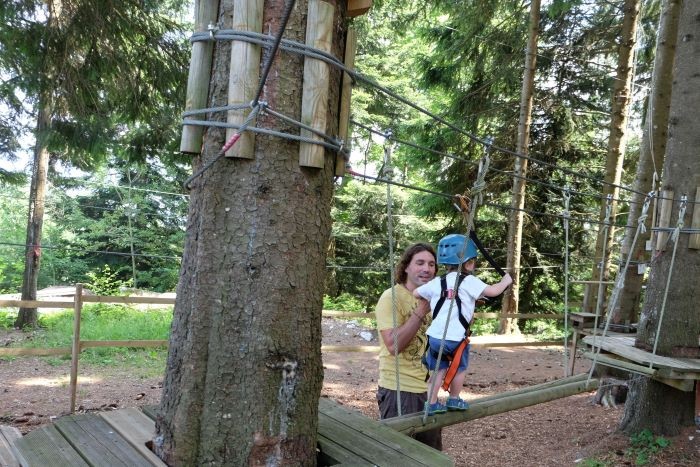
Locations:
(106, 282)
(644, 445)
(343, 302)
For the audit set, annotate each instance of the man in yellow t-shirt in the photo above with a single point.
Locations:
(416, 267)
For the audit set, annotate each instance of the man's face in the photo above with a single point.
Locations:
(420, 270)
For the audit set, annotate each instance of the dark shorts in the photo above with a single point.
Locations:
(448, 349)
(411, 402)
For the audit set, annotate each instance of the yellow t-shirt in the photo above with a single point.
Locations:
(411, 371)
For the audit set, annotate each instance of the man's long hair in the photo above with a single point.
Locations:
(400, 275)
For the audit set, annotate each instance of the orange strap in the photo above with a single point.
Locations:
(454, 364)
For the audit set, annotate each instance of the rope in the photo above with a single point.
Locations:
(566, 214)
(226, 147)
(675, 236)
(476, 197)
(620, 283)
(601, 288)
(388, 172)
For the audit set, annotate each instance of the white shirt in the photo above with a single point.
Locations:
(470, 290)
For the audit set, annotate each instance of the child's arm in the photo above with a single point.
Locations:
(497, 289)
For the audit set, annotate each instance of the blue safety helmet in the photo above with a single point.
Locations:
(453, 247)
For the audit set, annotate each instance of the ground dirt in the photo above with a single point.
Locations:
(569, 431)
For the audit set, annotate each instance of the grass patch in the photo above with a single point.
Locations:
(644, 446)
(102, 322)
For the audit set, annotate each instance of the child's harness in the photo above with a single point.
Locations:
(455, 357)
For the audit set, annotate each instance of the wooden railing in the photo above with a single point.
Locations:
(78, 345)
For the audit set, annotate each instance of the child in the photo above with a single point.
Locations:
(453, 250)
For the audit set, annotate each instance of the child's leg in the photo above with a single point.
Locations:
(457, 383)
(436, 380)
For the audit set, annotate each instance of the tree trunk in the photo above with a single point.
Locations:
(244, 370)
(651, 160)
(515, 226)
(652, 405)
(621, 100)
(27, 317)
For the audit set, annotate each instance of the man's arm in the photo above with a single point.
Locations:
(407, 331)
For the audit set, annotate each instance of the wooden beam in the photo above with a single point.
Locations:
(314, 103)
(244, 74)
(35, 304)
(664, 218)
(75, 354)
(345, 99)
(358, 7)
(136, 428)
(694, 241)
(34, 352)
(8, 436)
(145, 300)
(206, 13)
(505, 402)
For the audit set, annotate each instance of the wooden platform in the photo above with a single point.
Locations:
(619, 351)
(118, 438)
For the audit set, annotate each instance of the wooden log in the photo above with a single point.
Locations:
(244, 74)
(664, 218)
(345, 99)
(413, 423)
(358, 7)
(206, 13)
(694, 241)
(75, 354)
(314, 104)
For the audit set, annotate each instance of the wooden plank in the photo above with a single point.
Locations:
(46, 446)
(23, 352)
(142, 343)
(664, 218)
(136, 428)
(358, 7)
(314, 102)
(111, 299)
(244, 74)
(8, 436)
(206, 13)
(694, 241)
(35, 304)
(333, 453)
(345, 99)
(98, 442)
(624, 347)
(394, 448)
(151, 411)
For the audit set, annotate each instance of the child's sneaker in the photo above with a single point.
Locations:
(457, 404)
(435, 408)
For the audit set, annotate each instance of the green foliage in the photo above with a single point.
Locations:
(7, 319)
(106, 282)
(644, 445)
(343, 302)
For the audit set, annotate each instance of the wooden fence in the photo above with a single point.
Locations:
(78, 345)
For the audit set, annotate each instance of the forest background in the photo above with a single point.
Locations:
(116, 207)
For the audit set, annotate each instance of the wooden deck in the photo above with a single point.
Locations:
(118, 438)
(619, 352)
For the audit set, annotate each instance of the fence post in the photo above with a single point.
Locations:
(75, 354)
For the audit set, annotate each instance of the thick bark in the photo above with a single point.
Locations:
(515, 226)
(621, 101)
(662, 408)
(651, 159)
(27, 317)
(244, 371)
